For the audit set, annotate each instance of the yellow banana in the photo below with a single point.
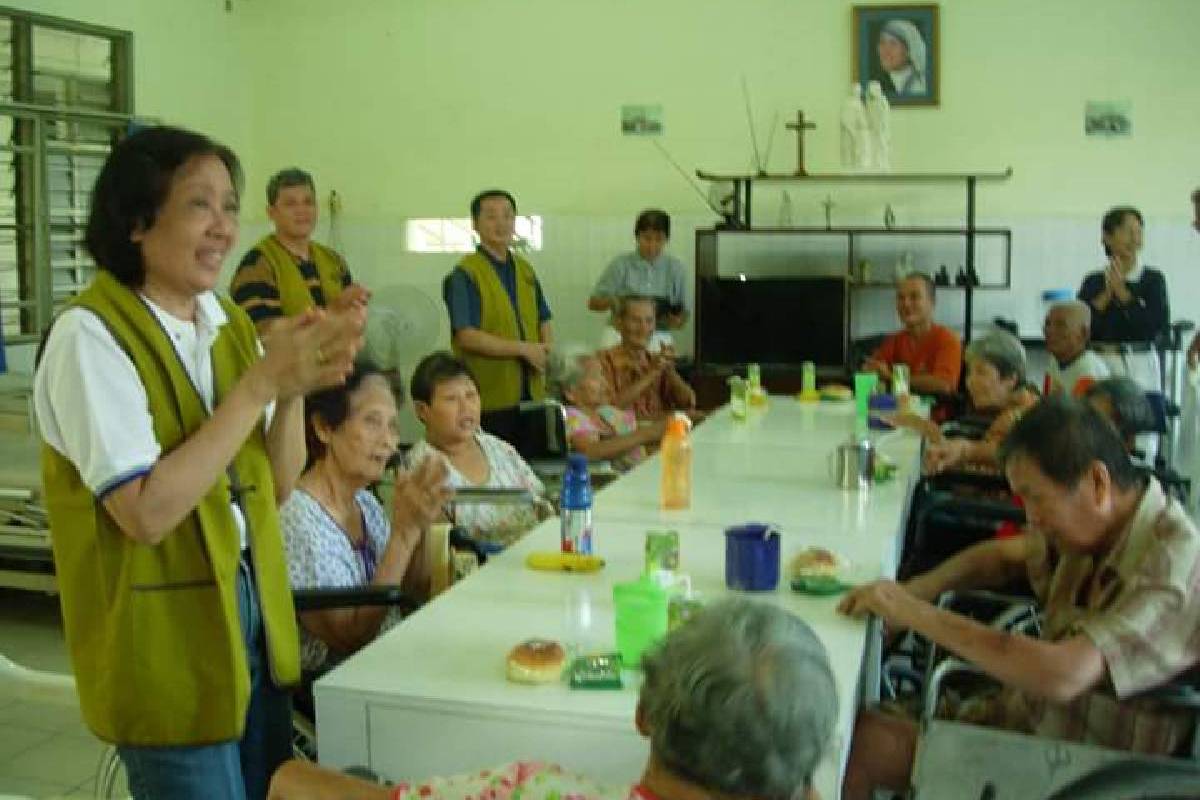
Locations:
(564, 562)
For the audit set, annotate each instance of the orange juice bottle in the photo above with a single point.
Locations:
(676, 456)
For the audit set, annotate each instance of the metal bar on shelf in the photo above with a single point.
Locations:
(861, 177)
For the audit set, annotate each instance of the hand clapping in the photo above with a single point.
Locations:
(312, 350)
(420, 495)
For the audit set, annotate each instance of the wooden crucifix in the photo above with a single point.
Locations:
(800, 126)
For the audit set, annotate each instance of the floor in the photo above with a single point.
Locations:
(45, 750)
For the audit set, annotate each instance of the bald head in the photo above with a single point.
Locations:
(1067, 329)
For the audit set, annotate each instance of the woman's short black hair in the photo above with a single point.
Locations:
(331, 406)
(653, 219)
(132, 187)
(1064, 437)
(1114, 217)
(436, 368)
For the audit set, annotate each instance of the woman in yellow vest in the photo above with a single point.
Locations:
(170, 436)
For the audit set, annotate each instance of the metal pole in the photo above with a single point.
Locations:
(969, 289)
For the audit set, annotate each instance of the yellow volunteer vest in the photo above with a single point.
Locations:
(294, 294)
(153, 630)
(499, 379)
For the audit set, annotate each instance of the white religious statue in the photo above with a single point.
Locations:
(856, 140)
(880, 126)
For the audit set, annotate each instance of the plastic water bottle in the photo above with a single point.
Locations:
(575, 507)
(676, 457)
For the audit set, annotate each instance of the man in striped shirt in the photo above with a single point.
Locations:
(287, 273)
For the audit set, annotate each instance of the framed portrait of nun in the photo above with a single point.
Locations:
(898, 45)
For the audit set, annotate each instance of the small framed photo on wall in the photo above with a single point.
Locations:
(899, 46)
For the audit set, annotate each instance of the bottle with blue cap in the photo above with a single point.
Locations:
(575, 506)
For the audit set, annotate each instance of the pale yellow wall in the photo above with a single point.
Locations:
(424, 100)
(407, 107)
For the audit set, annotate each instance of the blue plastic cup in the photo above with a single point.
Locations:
(752, 557)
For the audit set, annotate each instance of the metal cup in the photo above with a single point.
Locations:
(853, 464)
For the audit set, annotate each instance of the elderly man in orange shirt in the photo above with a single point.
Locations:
(932, 352)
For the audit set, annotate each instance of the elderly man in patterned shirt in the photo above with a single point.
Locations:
(644, 381)
(1116, 566)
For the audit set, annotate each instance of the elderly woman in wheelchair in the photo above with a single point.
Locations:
(998, 394)
(446, 400)
(336, 533)
(1112, 560)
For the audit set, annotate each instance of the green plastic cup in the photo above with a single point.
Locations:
(641, 618)
(864, 386)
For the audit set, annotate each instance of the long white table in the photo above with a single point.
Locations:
(430, 697)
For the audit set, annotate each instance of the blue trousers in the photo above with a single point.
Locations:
(235, 770)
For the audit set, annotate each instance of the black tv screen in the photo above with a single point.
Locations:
(780, 321)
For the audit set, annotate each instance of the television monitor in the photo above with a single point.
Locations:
(772, 321)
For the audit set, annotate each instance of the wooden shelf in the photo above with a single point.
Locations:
(867, 230)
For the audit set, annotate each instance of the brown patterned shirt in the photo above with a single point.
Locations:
(623, 368)
(1140, 605)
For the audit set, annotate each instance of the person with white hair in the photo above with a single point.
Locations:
(904, 68)
(995, 383)
(756, 727)
(1073, 368)
(595, 427)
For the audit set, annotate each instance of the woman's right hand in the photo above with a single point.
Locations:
(420, 495)
(310, 351)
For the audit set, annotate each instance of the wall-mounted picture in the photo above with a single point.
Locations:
(1108, 119)
(641, 120)
(898, 46)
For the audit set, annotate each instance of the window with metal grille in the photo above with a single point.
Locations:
(65, 98)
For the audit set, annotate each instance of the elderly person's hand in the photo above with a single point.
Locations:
(888, 600)
(913, 422)
(420, 496)
(880, 368)
(664, 359)
(941, 456)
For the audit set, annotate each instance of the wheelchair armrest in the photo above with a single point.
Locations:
(933, 686)
(998, 600)
(353, 597)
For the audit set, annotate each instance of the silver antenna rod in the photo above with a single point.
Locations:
(758, 164)
(771, 137)
(687, 178)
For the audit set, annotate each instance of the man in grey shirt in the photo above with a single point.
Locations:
(649, 272)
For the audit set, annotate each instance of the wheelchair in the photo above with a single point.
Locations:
(960, 760)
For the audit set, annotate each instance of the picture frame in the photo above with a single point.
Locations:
(899, 46)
